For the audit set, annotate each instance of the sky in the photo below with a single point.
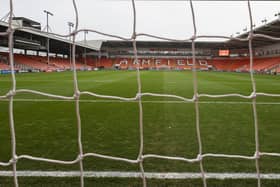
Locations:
(163, 18)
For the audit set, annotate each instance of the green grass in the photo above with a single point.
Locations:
(49, 129)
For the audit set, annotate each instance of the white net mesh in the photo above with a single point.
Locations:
(138, 97)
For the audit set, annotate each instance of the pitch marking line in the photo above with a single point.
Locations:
(143, 101)
(150, 175)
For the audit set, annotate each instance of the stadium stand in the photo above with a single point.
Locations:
(105, 63)
(219, 64)
(35, 63)
(4, 66)
(243, 64)
(39, 63)
(91, 62)
(3, 63)
(262, 64)
(228, 64)
(148, 63)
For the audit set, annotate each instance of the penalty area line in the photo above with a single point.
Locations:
(150, 175)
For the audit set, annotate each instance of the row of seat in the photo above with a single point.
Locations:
(30, 62)
(4, 66)
(241, 64)
(262, 64)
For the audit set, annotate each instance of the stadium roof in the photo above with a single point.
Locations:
(36, 40)
(271, 29)
(94, 43)
(31, 39)
(26, 19)
(161, 44)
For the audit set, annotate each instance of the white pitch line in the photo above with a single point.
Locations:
(150, 175)
(143, 101)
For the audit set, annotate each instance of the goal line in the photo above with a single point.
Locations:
(144, 101)
(149, 175)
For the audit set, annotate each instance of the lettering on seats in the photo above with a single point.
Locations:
(124, 61)
(180, 62)
(157, 61)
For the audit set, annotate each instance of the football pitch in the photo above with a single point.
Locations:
(47, 127)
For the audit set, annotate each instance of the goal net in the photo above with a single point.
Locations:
(81, 155)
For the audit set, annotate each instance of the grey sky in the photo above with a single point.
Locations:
(164, 18)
